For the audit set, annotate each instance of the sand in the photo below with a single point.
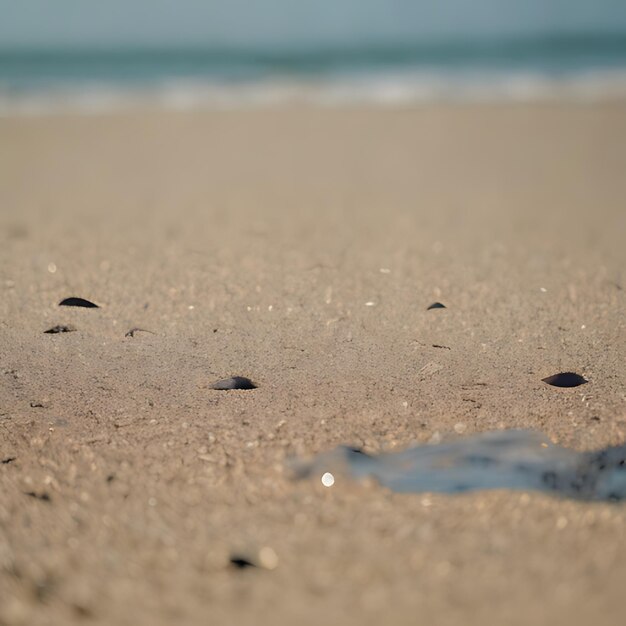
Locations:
(301, 248)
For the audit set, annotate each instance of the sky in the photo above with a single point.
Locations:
(276, 23)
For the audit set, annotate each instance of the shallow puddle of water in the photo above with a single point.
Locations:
(514, 459)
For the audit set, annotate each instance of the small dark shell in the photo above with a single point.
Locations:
(78, 302)
(39, 496)
(241, 562)
(565, 379)
(60, 328)
(436, 305)
(234, 382)
(132, 331)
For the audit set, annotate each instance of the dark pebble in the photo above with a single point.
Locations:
(59, 329)
(78, 302)
(39, 496)
(132, 331)
(565, 379)
(436, 305)
(240, 562)
(235, 382)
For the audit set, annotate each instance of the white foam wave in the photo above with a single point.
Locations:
(389, 90)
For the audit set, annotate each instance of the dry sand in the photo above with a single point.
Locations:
(301, 248)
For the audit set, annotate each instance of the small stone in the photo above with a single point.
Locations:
(268, 558)
(132, 331)
(234, 382)
(265, 558)
(60, 328)
(565, 379)
(436, 305)
(240, 561)
(328, 480)
(45, 497)
(81, 302)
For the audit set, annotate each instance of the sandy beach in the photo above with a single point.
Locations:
(301, 247)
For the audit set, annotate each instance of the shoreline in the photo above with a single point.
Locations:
(387, 91)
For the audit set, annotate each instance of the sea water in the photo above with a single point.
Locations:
(188, 54)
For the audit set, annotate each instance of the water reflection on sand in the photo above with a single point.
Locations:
(513, 459)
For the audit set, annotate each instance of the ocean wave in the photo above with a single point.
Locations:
(400, 89)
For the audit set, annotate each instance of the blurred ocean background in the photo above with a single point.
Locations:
(87, 56)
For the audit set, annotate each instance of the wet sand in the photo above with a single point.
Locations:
(301, 249)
